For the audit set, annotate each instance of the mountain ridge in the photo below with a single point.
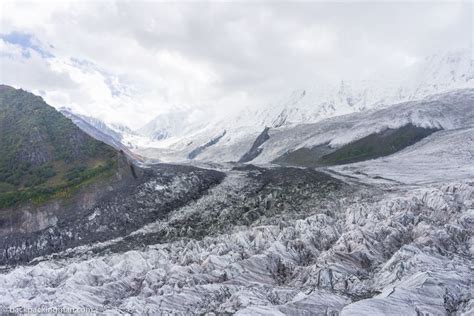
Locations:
(177, 134)
(42, 153)
(436, 74)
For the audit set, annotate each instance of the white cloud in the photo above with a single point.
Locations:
(130, 60)
(29, 69)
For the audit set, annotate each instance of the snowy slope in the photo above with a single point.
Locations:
(442, 156)
(95, 126)
(437, 74)
(172, 124)
(447, 111)
(113, 134)
(172, 136)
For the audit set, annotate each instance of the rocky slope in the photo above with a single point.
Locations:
(102, 212)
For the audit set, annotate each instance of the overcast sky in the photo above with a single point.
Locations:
(128, 61)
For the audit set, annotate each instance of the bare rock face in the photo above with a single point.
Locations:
(255, 150)
(278, 241)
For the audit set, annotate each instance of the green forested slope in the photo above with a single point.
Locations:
(42, 153)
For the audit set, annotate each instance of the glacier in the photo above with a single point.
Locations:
(276, 241)
(205, 234)
(408, 253)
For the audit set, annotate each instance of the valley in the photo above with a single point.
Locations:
(364, 213)
(248, 158)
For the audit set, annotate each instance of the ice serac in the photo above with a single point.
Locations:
(276, 241)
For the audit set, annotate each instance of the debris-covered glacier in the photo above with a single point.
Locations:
(274, 241)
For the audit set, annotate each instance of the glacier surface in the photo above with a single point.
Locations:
(349, 249)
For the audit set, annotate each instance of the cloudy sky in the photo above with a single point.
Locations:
(127, 61)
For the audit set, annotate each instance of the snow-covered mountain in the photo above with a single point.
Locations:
(436, 74)
(96, 128)
(391, 235)
(172, 124)
(113, 134)
(446, 111)
(172, 136)
(185, 131)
